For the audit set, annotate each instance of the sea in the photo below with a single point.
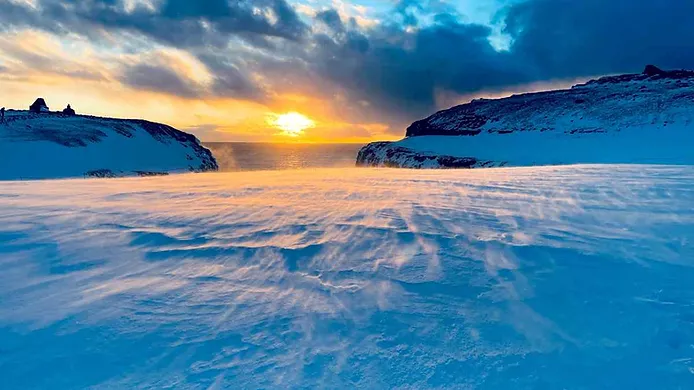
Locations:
(246, 156)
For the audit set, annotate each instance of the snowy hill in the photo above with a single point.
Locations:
(636, 118)
(53, 145)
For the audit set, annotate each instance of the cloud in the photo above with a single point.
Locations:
(332, 19)
(394, 70)
(400, 71)
(179, 23)
(36, 53)
(400, 66)
(565, 38)
(158, 78)
(231, 80)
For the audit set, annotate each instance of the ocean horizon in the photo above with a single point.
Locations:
(262, 156)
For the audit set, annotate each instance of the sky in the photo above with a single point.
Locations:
(319, 70)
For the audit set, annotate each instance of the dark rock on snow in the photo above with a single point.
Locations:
(39, 106)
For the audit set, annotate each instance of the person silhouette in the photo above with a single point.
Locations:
(2, 115)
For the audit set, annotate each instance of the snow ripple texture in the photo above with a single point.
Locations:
(553, 277)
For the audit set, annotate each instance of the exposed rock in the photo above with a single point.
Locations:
(100, 173)
(150, 173)
(39, 106)
(467, 123)
(652, 70)
(382, 154)
(69, 111)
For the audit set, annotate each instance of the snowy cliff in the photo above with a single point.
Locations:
(53, 145)
(634, 118)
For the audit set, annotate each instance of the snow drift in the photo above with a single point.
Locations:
(574, 277)
(53, 145)
(636, 118)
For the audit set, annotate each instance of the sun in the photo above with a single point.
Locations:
(292, 124)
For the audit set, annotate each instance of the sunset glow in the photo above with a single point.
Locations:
(292, 124)
(349, 71)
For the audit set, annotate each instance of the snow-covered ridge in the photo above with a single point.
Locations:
(645, 118)
(53, 145)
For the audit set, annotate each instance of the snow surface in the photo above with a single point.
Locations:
(40, 146)
(671, 145)
(552, 277)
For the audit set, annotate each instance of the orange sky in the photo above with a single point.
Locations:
(211, 119)
(71, 70)
(350, 70)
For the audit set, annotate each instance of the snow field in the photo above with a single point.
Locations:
(548, 277)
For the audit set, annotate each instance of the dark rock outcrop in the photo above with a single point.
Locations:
(100, 173)
(383, 154)
(468, 123)
(652, 70)
(39, 106)
(69, 111)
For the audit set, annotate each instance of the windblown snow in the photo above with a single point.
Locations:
(52, 145)
(644, 118)
(548, 277)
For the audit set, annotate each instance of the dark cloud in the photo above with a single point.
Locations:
(203, 27)
(180, 9)
(401, 72)
(181, 23)
(566, 38)
(230, 80)
(331, 19)
(158, 78)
